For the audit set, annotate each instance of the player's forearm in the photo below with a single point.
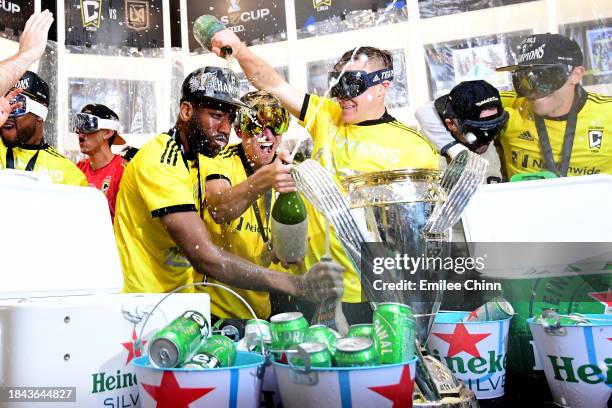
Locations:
(261, 74)
(235, 271)
(231, 204)
(11, 69)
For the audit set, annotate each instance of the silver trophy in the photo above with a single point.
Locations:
(408, 212)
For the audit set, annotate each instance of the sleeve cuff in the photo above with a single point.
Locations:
(304, 107)
(217, 177)
(160, 212)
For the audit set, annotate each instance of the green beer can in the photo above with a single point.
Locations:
(496, 309)
(287, 329)
(175, 343)
(216, 351)
(253, 335)
(319, 333)
(361, 330)
(356, 352)
(394, 329)
(318, 354)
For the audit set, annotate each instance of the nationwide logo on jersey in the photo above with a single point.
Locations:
(595, 139)
(91, 13)
(526, 136)
(137, 14)
(474, 352)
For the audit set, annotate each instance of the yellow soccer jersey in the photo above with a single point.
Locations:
(240, 237)
(155, 183)
(46, 160)
(592, 149)
(375, 145)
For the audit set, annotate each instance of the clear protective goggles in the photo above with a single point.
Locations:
(88, 123)
(479, 133)
(28, 105)
(351, 84)
(255, 121)
(539, 81)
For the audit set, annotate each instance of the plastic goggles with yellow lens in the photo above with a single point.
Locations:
(255, 121)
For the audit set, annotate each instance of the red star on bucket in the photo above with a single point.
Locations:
(129, 346)
(400, 393)
(461, 340)
(170, 395)
(603, 297)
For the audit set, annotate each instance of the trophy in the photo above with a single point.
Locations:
(405, 212)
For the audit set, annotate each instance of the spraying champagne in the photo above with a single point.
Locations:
(204, 29)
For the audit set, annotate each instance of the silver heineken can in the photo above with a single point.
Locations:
(497, 308)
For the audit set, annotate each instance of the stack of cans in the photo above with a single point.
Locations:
(389, 340)
(185, 342)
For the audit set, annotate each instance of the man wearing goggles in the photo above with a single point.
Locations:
(351, 133)
(97, 128)
(23, 146)
(472, 114)
(160, 235)
(239, 183)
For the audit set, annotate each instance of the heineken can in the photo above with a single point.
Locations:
(252, 329)
(318, 354)
(216, 351)
(319, 333)
(496, 309)
(356, 352)
(394, 328)
(175, 343)
(286, 330)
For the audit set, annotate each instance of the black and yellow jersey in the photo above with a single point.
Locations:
(348, 149)
(155, 183)
(241, 237)
(42, 159)
(592, 148)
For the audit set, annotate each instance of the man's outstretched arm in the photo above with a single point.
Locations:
(261, 74)
(32, 44)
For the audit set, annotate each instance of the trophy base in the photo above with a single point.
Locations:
(453, 393)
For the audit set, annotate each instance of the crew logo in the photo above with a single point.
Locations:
(595, 139)
(10, 7)
(137, 14)
(91, 12)
(321, 5)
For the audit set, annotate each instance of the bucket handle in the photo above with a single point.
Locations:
(138, 342)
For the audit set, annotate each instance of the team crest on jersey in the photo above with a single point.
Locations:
(106, 184)
(595, 139)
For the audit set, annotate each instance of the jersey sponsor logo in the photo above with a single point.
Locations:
(247, 226)
(595, 139)
(383, 154)
(175, 258)
(526, 136)
(91, 11)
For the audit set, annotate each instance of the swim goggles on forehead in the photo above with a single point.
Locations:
(482, 132)
(351, 84)
(88, 123)
(540, 81)
(28, 105)
(255, 121)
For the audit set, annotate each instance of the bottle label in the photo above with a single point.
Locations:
(289, 241)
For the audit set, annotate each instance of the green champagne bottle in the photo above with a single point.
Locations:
(289, 227)
(204, 28)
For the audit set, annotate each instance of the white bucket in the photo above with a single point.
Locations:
(577, 361)
(382, 386)
(238, 386)
(474, 351)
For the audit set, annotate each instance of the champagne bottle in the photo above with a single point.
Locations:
(289, 227)
(204, 28)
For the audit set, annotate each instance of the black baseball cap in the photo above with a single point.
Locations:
(547, 49)
(213, 84)
(104, 112)
(34, 87)
(466, 100)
